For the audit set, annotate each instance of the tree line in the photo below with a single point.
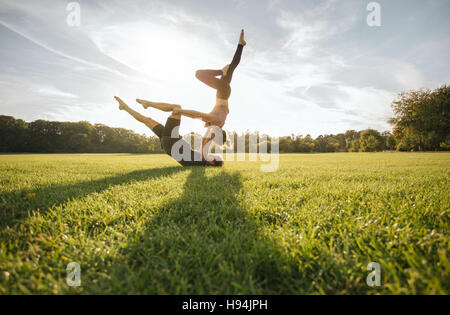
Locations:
(42, 136)
(421, 123)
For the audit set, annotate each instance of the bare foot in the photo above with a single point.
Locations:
(144, 104)
(241, 39)
(122, 105)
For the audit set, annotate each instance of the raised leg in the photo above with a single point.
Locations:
(233, 65)
(236, 59)
(209, 77)
(145, 120)
(222, 84)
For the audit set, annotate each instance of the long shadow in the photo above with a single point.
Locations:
(203, 242)
(16, 205)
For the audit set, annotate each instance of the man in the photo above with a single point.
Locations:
(171, 141)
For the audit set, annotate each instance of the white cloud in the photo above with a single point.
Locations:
(51, 91)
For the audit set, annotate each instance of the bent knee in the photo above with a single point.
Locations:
(150, 125)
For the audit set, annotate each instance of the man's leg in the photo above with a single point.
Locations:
(173, 122)
(170, 133)
(155, 126)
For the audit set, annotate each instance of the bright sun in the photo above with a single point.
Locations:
(162, 51)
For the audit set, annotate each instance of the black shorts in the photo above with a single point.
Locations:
(166, 131)
(169, 135)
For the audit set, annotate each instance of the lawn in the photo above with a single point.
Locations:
(141, 224)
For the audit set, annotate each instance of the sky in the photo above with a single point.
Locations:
(310, 67)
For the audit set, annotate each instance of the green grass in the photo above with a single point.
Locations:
(141, 224)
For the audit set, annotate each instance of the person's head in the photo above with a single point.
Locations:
(216, 163)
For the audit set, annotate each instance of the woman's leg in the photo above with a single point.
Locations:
(233, 65)
(165, 107)
(152, 124)
(209, 78)
(222, 85)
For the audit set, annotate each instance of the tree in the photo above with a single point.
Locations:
(371, 141)
(79, 136)
(305, 144)
(351, 138)
(389, 140)
(332, 145)
(422, 119)
(287, 145)
(13, 134)
(355, 146)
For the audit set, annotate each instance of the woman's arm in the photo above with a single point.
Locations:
(194, 114)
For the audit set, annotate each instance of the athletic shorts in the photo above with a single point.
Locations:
(166, 131)
(169, 135)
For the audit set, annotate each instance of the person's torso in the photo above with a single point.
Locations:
(218, 114)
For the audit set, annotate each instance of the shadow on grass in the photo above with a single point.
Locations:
(203, 242)
(16, 205)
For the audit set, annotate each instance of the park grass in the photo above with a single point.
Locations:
(141, 224)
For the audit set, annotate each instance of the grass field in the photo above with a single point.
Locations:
(141, 224)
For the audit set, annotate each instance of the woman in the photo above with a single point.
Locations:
(220, 111)
(172, 142)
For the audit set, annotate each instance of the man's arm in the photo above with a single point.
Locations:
(206, 143)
